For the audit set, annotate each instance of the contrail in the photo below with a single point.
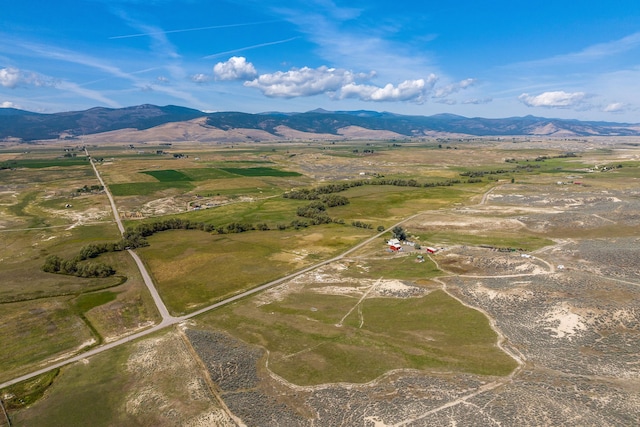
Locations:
(192, 29)
(249, 47)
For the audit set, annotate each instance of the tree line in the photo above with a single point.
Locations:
(132, 238)
(317, 192)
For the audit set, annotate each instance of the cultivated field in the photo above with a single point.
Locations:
(515, 302)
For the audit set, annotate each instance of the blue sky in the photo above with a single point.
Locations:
(566, 59)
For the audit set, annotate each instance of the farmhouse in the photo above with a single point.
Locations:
(394, 245)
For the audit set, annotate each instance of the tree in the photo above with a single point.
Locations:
(52, 264)
(399, 233)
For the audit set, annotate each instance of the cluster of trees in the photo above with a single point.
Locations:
(132, 238)
(318, 192)
(315, 193)
(136, 237)
(89, 189)
(94, 249)
(332, 200)
(235, 227)
(316, 212)
(10, 164)
(399, 233)
(477, 174)
(73, 267)
(361, 224)
(528, 167)
(474, 180)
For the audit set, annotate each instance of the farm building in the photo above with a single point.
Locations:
(394, 245)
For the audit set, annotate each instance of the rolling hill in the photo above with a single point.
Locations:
(28, 126)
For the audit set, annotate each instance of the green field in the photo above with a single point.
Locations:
(193, 269)
(168, 175)
(45, 163)
(306, 347)
(148, 188)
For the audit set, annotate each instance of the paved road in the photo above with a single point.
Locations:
(106, 190)
(166, 317)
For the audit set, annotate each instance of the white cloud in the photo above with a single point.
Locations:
(9, 77)
(200, 78)
(162, 79)
(554, 99)
(339, 84)
(478, 101)
(304, 81)
(12, 77)
(236, 68)
(409, 90)
(8, 104)
(447, 90)
(615, 107)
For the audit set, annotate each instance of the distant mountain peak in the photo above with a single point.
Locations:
(320, 111)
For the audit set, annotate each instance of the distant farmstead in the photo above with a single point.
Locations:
(394, 245)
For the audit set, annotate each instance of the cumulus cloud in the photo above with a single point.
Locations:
(340, 84)
(447, 90)
(9, 77)
(555, 99)
(236, 68)
(409, 90)
(8, 104)
(305, 81)
(12, 77)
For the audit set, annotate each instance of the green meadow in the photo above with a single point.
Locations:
(306, 347)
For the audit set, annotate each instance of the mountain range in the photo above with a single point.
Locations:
(180, 123)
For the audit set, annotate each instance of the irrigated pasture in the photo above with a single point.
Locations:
(315, 336)
(193, 269)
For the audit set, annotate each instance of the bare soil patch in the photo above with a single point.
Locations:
(167, 387)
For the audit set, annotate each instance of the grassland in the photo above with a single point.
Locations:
(44, 315)
(194, 269)
(306, 347)
(323, 327)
